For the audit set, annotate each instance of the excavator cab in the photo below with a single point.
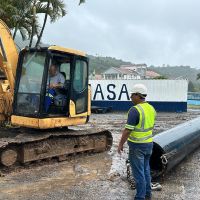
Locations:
(39, 105)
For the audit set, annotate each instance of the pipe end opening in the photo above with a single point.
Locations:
(156, 165)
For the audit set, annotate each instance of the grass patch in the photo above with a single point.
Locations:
(193, 106)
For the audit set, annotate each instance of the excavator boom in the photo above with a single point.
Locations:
(8, 53)
(8, 63)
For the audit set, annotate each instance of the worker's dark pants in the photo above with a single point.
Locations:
(139, 156)
(49, 98)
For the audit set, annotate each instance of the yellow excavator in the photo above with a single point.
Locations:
(40, 116)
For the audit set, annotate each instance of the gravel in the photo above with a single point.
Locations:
(102, 176)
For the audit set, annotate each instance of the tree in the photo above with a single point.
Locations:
(54, 9)
(33, 22)
(7, 12)
(160, 77)
(191, 87)
(81, 1)
(23, 18)
(17, 16)
(198, 76)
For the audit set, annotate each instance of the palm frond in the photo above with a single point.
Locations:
(81, 1)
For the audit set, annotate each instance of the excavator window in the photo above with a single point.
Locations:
(28, 97)
(32, 71)
(65, 70)
(80, 85)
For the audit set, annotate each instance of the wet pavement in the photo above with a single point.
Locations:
(102, 176)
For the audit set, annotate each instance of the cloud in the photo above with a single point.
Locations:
(155, 32)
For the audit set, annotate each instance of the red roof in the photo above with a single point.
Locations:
(134, 65)
(126, 71)
(152, 74)
(98, 77)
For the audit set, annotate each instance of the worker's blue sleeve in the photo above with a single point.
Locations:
(133, 119)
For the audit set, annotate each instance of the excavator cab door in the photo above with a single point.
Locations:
(72, 99)
(79, 93)
(56, 100)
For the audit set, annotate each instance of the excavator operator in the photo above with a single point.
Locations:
(56, 81)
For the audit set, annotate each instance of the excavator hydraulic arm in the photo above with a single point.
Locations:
(8, 64)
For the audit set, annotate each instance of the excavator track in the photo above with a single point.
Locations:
(19, 146)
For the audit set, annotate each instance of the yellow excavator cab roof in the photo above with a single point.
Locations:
(67, 50)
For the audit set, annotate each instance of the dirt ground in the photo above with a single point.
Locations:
(102, 176)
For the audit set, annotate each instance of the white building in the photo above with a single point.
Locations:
(120, 73)
(134, 71)
(139, 68)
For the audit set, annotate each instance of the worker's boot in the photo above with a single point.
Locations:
(156, 187)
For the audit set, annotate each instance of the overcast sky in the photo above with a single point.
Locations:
(154, 32)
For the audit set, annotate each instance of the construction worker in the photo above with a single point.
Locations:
(138, 132)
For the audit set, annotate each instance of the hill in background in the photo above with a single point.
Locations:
(175, 72)
(101, 64)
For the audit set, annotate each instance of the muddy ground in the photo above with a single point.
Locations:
(101, 176)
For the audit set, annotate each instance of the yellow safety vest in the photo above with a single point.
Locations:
(142, 132)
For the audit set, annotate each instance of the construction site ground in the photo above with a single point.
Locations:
(101, 176)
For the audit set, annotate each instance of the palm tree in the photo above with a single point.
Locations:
(37, 7)
(18, 17)
(7, 11)
(22, 18)
(33, 22)
(55, 9)
(81, 1)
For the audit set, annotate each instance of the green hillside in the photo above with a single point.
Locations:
(174, 72)
(101, 64)
(180, 72)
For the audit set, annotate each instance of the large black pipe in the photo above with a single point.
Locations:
(173, 145)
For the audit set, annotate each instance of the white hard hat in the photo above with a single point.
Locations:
(140, 89)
